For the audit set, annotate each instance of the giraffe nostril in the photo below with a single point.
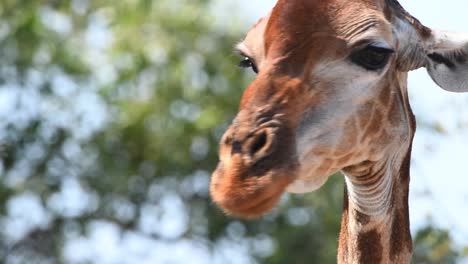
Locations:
(258, 143)
(261, 144)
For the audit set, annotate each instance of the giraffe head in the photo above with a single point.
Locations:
(330, 94)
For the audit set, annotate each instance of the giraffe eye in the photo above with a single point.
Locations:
(248, 63)
(372, 58)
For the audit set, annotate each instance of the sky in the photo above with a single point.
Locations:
(439, 184)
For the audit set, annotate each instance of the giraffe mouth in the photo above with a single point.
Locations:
(248, 196)
(256, 206)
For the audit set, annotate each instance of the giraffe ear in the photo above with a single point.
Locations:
(448, 60)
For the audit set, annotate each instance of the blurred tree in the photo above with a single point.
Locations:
(111, 113)
(433, 245)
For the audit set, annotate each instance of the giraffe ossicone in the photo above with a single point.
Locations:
(331, 95)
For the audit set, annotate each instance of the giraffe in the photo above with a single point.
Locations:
(331, 95)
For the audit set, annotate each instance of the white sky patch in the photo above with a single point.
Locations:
(106, 244)
(167, 219)
(7, 101)
(438, 192)
(25, 213)
(99, 37)
(72, 200)
(56, 21)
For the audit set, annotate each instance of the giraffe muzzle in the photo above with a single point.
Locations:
(257, 163)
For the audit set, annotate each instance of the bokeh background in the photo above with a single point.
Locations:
(110, 116)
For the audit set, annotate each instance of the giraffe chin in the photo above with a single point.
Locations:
(310, 179)
(254, 209)
(305, 186)
(249, 197)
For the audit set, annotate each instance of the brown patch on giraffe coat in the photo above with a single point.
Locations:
(350, 139)
(345, 159)
(326, 165)
(400, 238)
(384, 96)
(370, 247)
(375, 124)
(343, 239)
(365, 114)
(394, 115)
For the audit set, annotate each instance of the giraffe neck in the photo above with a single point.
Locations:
(381, 237)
